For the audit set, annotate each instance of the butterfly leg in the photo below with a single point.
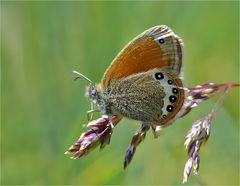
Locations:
(154, 131)
(138, 137)
(90, 114)
(110, 121)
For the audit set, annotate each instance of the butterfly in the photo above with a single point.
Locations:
(145, 83)
(144, 80)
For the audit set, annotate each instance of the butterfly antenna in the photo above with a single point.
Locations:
(79, 75)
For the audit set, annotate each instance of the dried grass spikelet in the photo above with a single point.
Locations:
(101, 129)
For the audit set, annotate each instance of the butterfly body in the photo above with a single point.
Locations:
(143, 82)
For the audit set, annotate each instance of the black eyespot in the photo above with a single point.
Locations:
(161, 41)
(164, 116)
(170, 108)
(169, 82)
(175, 91)
(172, 99)
(159, 76)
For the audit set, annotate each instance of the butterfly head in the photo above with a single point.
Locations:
(94, 94)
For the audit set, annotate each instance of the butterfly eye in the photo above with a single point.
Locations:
(159, 76)
(169, 108)
(169, 82)
(172, 99)
(161, 41)
(175, 91)
(164, 116)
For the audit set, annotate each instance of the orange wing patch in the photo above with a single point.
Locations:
(140, 56)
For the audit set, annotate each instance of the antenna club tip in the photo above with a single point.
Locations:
(75, 72)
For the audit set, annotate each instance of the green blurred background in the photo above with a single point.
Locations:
(43, 109)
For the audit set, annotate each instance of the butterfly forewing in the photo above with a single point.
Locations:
(158, 47)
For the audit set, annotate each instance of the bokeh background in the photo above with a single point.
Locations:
(43, 109)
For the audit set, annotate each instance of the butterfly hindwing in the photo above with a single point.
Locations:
(154, 96)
